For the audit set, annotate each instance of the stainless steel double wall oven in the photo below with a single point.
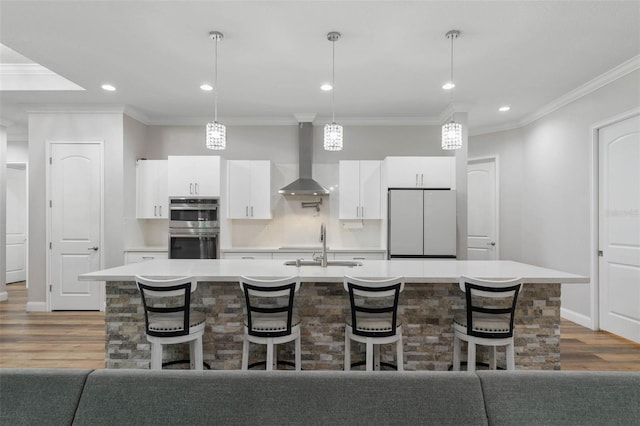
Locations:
(194, 228)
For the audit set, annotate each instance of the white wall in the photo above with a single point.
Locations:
(17, 152)
(65, 126)
(3, 213)
(554, 178)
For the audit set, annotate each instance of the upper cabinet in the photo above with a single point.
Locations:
(151, 189)
(194, 175)
(421, 172)
(249, 189)
(360, 188)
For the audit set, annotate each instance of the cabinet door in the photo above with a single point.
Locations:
(143, 256)
(349, 178)
(207, 175)
(260, 207)
(146, 189)
(180, 176)
(437, 172)
(162, 196)
(370, 188)
(403, 172)
(239, 189)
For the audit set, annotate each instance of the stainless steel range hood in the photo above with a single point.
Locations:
(304, 185)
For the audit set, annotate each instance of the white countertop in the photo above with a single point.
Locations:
(420, 271)
(297, 249)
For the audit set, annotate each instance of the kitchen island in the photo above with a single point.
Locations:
(427, 306)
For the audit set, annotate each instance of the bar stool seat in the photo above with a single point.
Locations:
(169, 318)
(270, 319)
(488, 320)
(373, 319)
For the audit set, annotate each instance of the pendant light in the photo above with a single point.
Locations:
(451, 131)
(333, 131)
(216, 132)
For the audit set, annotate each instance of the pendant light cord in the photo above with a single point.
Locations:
(333, 81)
(215, 83)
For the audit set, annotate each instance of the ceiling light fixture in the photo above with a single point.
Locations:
(108, 87)
(333, 132)
(452, 131)
(504, 108)
(326, 87)
(216, 132)
(206, 87)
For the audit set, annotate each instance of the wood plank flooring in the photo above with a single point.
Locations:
(73, 339)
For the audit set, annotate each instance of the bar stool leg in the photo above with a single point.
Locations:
(376, 357)
(369, 355)
(298, 354)
(456, 353)
(245, 354)
(196, 355)
(347, 351)
(269, 364)
(471, 356)
(511, 362)
(156, 356)
(492, 358)
(399, 354)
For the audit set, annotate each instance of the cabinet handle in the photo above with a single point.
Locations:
(160, 210)
(417, 180)
(246, 211)
(190, 189)
(155, 210)
(248, 257)
(422, 179)
(251, 211)
(197, 189)
(358, 258)
(357, 211)
(361, 211)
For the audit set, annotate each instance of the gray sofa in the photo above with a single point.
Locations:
(139, 397)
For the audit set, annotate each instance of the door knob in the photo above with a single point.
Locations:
(94, 248)
(492, 243)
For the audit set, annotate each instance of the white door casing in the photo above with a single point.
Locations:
(482, 223)
(75, 173)
(619, 228)
(16, 237)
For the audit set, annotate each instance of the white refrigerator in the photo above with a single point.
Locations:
(422, 223)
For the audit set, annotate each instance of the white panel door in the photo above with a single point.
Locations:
(482, 208)
(76, 216)
(619, 228)
(16, 223)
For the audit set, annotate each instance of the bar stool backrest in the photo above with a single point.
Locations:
(374, 298)
(493, 299)
(167, 298)
(265, 298)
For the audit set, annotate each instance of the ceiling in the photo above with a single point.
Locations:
(390, 63)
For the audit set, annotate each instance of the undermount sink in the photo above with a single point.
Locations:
(300, 262)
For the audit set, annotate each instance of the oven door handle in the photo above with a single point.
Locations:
(207, 235)
(192, 208)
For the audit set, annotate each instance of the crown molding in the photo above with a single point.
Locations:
(75, 109)
(587, 88)
(494, 129)
(24, 69)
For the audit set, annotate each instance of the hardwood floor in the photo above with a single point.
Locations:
(75, 339)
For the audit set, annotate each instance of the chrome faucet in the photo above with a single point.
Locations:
(323, 240)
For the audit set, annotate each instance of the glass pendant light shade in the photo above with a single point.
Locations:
(216, 136)
(332, 137)
(452, 135)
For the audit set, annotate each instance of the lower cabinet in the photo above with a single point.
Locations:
(143, 256)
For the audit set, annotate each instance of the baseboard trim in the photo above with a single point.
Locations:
(36, 307)
(573, 316)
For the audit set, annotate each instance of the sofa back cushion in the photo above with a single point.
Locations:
(280, 398)
(30, 396)
(561, 397)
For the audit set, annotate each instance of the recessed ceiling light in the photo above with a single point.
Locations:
(504, 108)
(326, 87)
(448, 86)
(108, 87)
(206, 87)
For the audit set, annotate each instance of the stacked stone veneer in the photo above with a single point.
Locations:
(426, 311)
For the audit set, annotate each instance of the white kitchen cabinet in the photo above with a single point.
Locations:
(249, 189)
(421, 172)
(151, 189)
(360, 188)
(194, 175)
(143, 256)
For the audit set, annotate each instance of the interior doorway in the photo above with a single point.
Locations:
(482, 209)
(16, 225)
(618, 224)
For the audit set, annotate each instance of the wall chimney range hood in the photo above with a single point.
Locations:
(304, 185)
